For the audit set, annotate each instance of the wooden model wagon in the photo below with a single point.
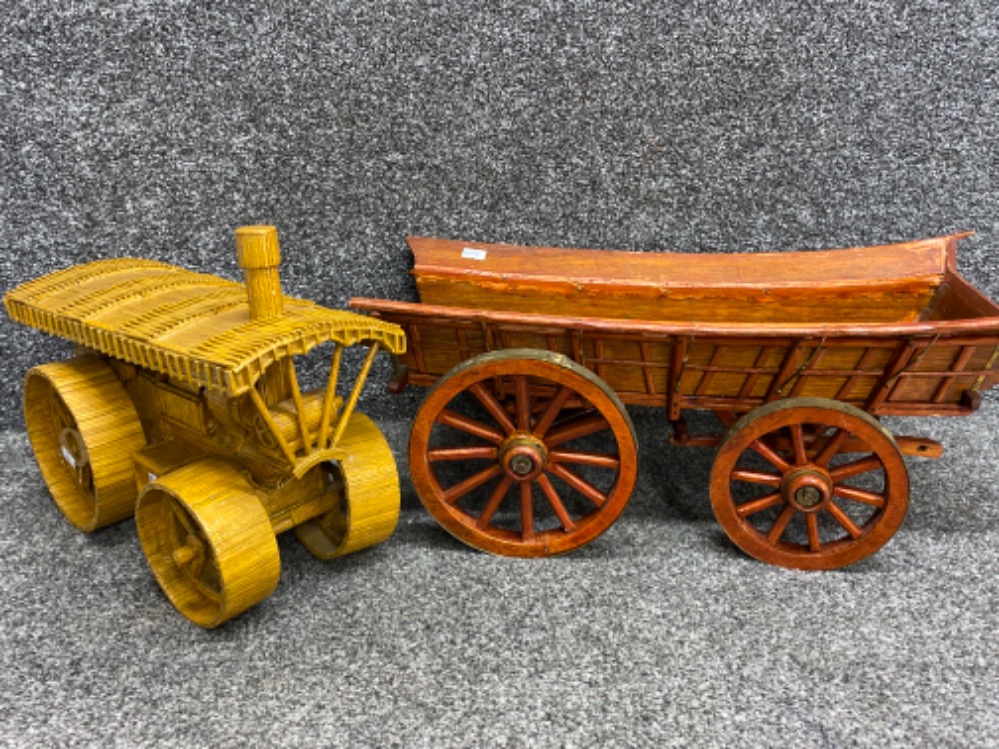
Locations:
(523, 445)
(183, 407)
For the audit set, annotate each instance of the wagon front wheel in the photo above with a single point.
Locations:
(809, 483)
(523, 453)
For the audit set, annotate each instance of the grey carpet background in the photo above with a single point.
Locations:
(154, 130)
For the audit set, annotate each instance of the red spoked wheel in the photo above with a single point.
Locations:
(523, 453)
(809, 483)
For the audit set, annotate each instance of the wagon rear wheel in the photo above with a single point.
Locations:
(84, 429)
(367, 486)
(809, 483)
(523, 453)
(208, 541)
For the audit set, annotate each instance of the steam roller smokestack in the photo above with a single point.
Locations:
(259, 256)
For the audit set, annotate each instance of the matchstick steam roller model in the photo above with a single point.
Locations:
(182, 406)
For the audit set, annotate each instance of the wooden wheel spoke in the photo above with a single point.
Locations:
(844, 520)
(601, 460)
(771, 455)
(798, 443)
(860, 495)
(831, 447)
(493, 406)
(855, 468)
(812, 521)
(756, 477)
(495, 500)
(551, 412)
(469, 426)
(526, 512)
(461, 453)
(587, 490)
(522, 403)
(780, 525)
(556, 503)
(759, 505)
(459, 490)
(209, 578)
(181, 516)
(575, 429)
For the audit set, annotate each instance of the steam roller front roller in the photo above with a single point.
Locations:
(84, 429)
(367, 509)
(209, 541)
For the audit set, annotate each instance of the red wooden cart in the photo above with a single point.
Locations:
(523, 446)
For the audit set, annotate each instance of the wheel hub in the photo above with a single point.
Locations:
(72, 448)
(523, 457)
(807, 488)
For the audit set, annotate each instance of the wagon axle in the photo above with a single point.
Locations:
(523, 456)
(806, 487)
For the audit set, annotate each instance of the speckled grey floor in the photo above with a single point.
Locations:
(154, 129)
(659, 633)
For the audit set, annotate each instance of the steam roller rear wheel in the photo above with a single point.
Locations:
(84, 429)
(208, 540)
(367, 507)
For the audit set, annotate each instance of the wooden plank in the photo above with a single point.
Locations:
(947, 380)
(888, 283)
(647, 363)
(678, 357)
(788, 365)
(861, 371)
(598, 358)
(880, 392)
(753, 375)
(415, 349)
(710, 370)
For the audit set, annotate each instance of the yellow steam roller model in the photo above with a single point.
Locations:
(182, 406)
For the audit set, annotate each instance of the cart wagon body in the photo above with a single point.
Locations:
(183, 407)
(797, 353)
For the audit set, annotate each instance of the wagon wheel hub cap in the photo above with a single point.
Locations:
(523, 457)
(807, 489)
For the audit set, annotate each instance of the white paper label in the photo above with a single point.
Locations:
(473, 254)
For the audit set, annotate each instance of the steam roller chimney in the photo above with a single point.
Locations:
(259, 256)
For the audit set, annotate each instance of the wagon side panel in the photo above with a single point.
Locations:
(942, 376)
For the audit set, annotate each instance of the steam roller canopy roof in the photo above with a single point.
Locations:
(193, 327)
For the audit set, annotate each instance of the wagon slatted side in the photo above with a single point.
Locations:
(919, 373)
